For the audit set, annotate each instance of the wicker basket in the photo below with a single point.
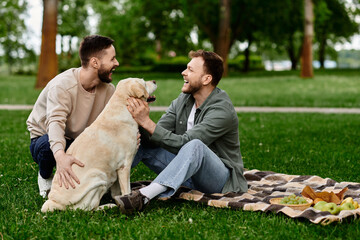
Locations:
(300, 207)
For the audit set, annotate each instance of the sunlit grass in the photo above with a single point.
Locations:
(319, 144)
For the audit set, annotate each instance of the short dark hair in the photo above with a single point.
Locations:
(92, 46)
(213, 64)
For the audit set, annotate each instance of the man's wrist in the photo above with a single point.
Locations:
(58, 154)
(149, 126)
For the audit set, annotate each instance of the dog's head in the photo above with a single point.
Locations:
(138, 88)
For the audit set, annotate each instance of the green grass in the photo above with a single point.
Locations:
(18, 90)
(328, 88)
(324, 145)
(308, 144)
(322, 91)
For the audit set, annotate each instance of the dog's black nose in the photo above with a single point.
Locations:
(154, 81)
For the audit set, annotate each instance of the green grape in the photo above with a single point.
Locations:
(293, 199)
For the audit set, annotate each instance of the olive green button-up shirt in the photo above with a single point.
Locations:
(215, 124)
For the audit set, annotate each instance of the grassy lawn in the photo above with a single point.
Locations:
(326, 145)
(327, 89)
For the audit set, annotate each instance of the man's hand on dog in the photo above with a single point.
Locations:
(64, 170)
(139, 110)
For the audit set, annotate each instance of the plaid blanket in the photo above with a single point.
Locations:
(264, 185)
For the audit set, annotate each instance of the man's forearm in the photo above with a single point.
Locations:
(139, 110)
(149, 126)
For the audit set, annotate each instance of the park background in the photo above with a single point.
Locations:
(157, 36)
(152, 39)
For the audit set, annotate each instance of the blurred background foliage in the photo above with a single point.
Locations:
(157, 35)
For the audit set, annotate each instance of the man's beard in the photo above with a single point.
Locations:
(104, 75)
(191, 89)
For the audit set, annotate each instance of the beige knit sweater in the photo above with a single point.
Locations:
(64, 108)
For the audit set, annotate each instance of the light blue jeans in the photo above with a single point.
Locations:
(195, 166)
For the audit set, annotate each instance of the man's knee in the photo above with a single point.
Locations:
(194, 143)
(43, 151)
(196, 148)
(42, 154)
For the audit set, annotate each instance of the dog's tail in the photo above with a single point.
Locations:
(50, 206)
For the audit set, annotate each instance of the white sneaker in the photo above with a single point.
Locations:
(44, 185)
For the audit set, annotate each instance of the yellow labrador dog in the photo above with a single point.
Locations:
(107, 148)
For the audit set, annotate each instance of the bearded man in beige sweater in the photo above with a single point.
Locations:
(66, 106)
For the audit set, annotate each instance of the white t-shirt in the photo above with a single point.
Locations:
(191, 119)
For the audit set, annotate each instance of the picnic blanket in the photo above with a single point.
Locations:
(264, 185)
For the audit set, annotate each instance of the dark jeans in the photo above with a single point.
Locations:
(43, 156)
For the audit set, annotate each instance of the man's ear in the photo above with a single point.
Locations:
(207, 78)
(138, 91)
(94, 62)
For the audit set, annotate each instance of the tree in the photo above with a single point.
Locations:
(306, 56)
(11, 31)
(333, 23)
(168, 25)
(283, 27)
(120, 21)
(72, 21)
(140, 27)
(250, 20)
(222, 46)
(215, 19)
(145, 30)
(48, 64)
(252, 16)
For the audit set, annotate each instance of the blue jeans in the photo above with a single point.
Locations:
(195, 166)
(43, 156)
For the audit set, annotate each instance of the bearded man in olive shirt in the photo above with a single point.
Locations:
(196, 140)
(68, 104)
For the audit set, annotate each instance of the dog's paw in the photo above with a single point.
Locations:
(106, 206)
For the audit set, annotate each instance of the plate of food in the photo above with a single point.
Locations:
(293, 201)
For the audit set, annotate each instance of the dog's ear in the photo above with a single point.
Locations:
(138, 91)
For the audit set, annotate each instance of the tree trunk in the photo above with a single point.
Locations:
(69, 53)
(48, 64)
(158, 49)
(290, 48)
(293, 58)
(222, 46)
(247, 55)
(306, 56)
(322, 48)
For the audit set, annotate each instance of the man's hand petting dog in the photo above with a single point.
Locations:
(139, 110)
(64, 171)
